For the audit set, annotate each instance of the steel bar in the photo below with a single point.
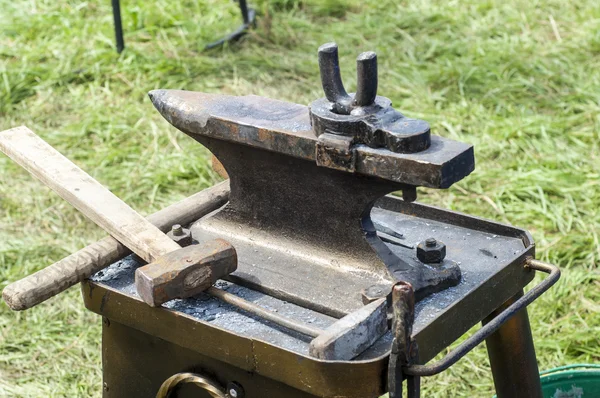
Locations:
(494, 324)
(403, 306)
(244, 10)
(265, 314)
(331, 78)
(248, 17)
(366, 80)
(512, 356)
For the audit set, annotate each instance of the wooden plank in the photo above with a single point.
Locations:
(85, 194)
(58, 277)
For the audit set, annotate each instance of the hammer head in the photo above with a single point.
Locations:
(185, 272)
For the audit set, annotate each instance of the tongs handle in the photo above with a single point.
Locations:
(493, 325)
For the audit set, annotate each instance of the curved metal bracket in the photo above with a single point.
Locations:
(211, 387)
(248, 15)
(483, 333)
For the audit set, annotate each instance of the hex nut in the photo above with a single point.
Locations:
(431, 251)
(180, 235)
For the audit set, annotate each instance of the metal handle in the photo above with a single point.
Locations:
(494, 325)
(213, 389)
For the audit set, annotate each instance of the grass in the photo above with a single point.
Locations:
(518, 79)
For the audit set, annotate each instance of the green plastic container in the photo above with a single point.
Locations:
(572, 381)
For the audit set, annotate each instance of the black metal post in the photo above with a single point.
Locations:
(116, 6)
(512, 356)
(248, 15)
(244, 10)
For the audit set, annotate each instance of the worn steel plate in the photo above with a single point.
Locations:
(490, 256)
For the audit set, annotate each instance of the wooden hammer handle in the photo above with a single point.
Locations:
(58, 277)
(85, 193)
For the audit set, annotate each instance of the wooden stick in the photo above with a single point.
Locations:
(58, 277)
(85, 193)
(44, 162)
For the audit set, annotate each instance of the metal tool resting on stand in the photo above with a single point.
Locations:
(304, 278)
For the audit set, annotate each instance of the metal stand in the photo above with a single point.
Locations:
(248, 16)
(116, 7)
(512, 356)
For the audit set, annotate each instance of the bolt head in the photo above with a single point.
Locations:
(177, 230)
(431, 251)
(180, 235)
(234, 390)
(375, 292)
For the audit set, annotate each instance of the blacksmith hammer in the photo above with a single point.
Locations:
(173, 271)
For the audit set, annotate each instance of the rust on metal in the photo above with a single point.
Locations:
(286, 128)
(403, 312)
(185, 272)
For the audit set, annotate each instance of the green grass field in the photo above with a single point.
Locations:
(518, 79)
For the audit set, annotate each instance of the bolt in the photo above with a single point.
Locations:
(177, 230)
(234, 390)
(105, 386)
(375, 292)
(180, 235)
(431, 251)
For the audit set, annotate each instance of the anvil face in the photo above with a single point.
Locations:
(285, 128)
(305, 217)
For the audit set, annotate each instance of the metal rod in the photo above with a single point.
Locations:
(512, 355)
(366, 81)
(116, 6)
(263, 313)
(331, 79)
(495, 324)
(248, 15)
(244, 10)
(403, 317)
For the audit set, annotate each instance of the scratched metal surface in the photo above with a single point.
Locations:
(120, 276)
(479, 254)
(285, 128)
